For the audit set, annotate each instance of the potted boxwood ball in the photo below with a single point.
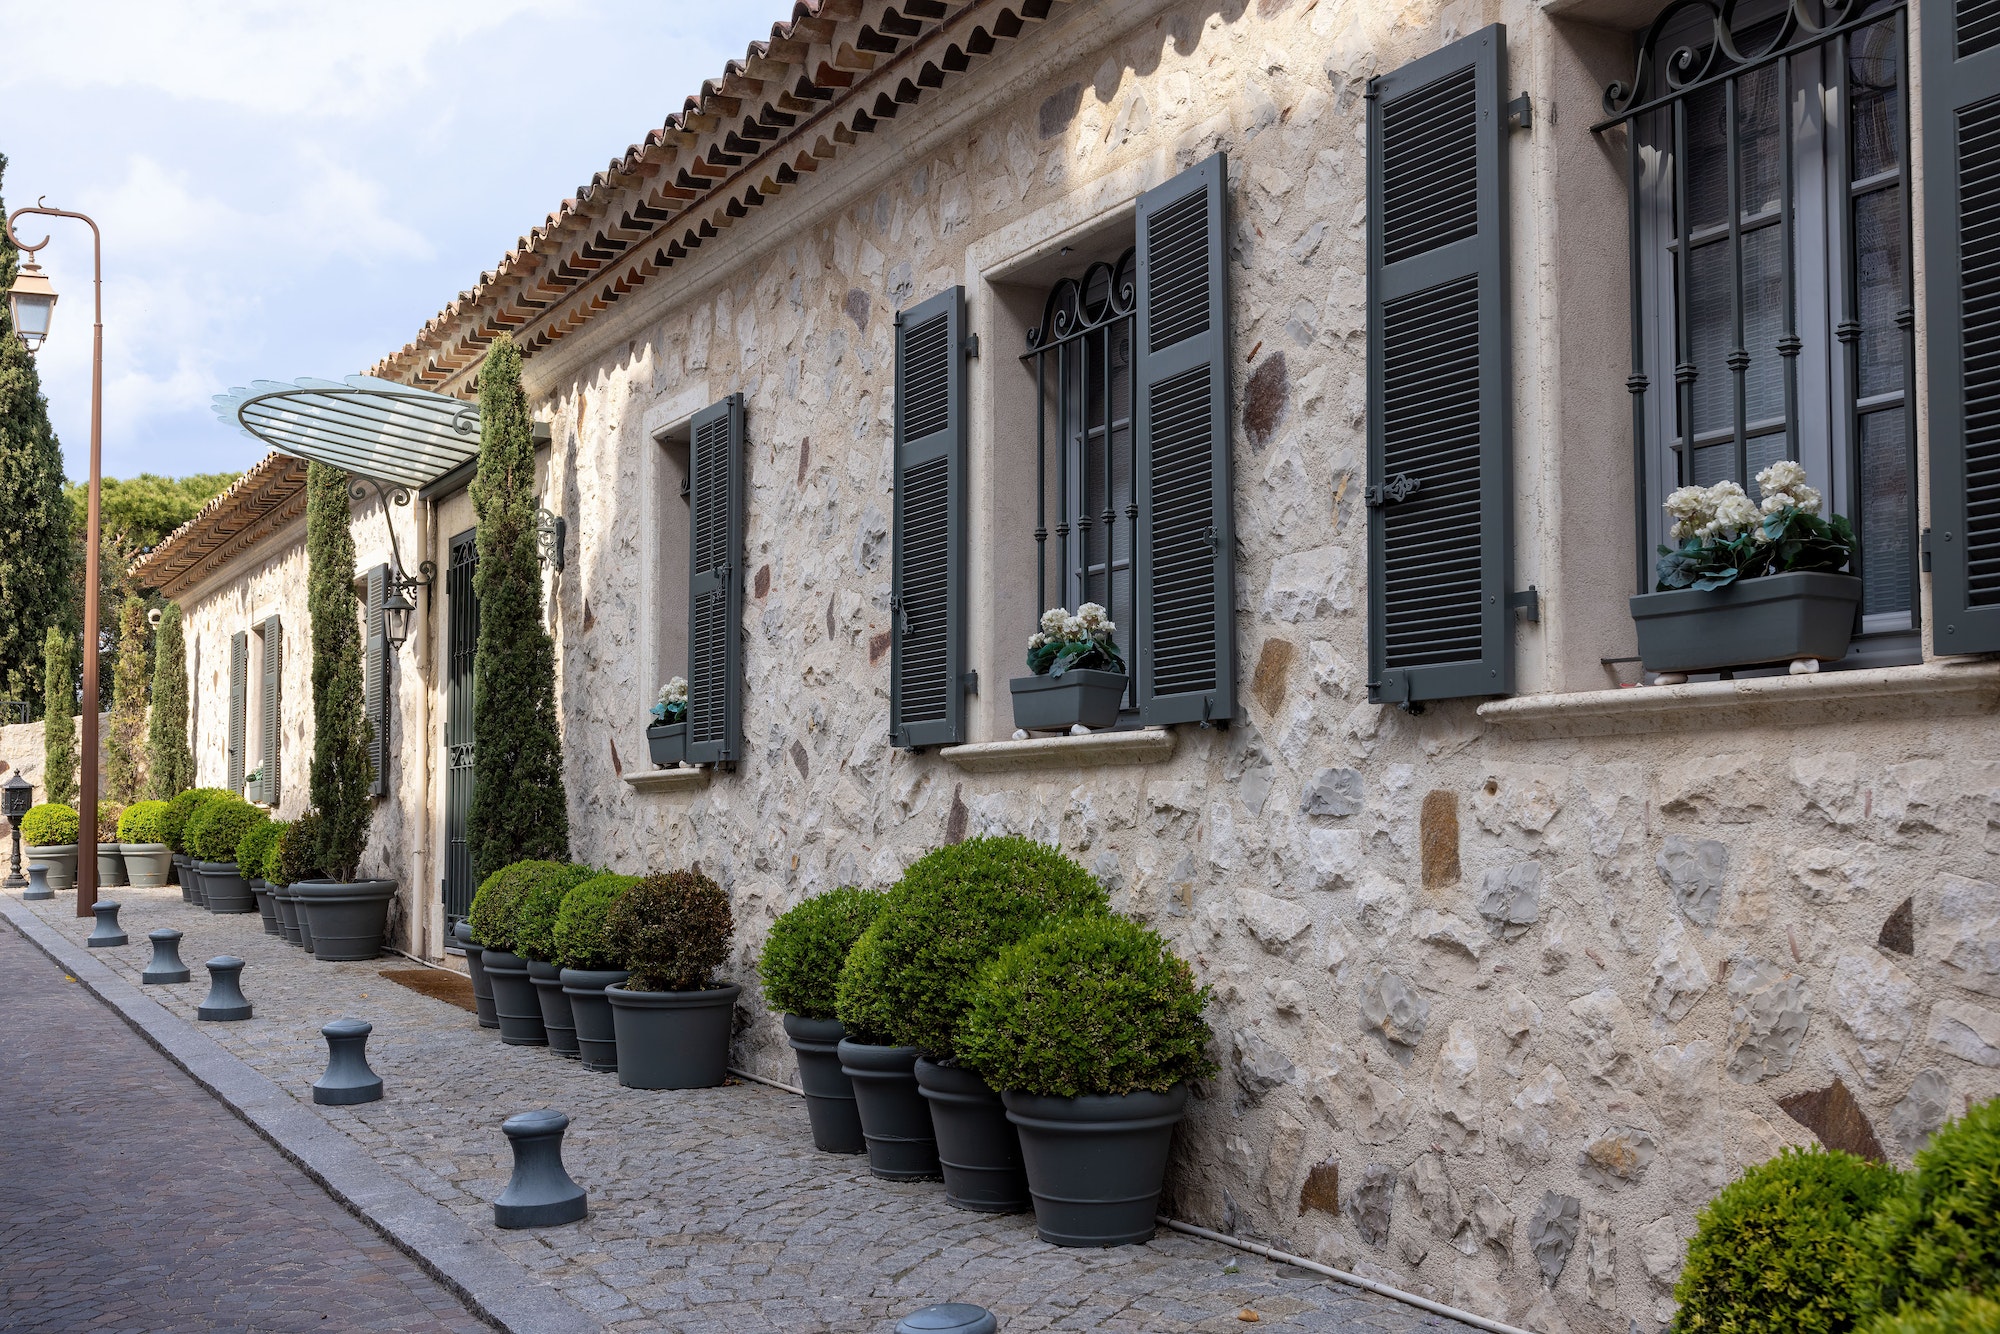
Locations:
(671, 1018)
(197, 816)
(950, 914)
(292, 859)
(1093, 1029)
(583, 951)
(895, 1120)
(1077, 676)
(541, 899)
(284, 923)
(666, 734)
(173, 828)
(142, 840)
(48, 835)
(800, 966)
(492, 920)
(110, 860)
(252, 852)
(213, 833)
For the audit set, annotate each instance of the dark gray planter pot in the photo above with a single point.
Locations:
(1081, 695)
(895, 1119)
(514, 1002)
(199, 893)
(596, 1034)
(557, 1021)
(836, 1125)
(60, 858)
(673, 1039)
(1777, 618)
(287, 909)
(347, 921)
(977, 1145)
(475, 965)
(301, 912)
(147, 865)
(1096, 1164)
(223, 890)
(110, 867)
(178, 860)
(667, 743)
(267, 907)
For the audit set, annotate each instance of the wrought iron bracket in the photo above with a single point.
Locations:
(400, 579)
(1392, 492)
(551, 534)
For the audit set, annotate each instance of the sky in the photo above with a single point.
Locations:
(289, 189)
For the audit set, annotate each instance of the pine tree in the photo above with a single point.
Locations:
(124, 742)
(341, 768)
(59, 717)
(169, 764)
(519, 808)
(38, 569)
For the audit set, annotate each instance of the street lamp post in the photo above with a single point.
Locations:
(32, 301)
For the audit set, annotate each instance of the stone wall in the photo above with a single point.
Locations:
(24, 750)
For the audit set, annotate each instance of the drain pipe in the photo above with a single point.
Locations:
(759, 1079)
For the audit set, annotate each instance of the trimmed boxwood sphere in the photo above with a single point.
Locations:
(1952, 1313)
(1095, 1005)
(1941, 1231)
(496, 901)
(143, 822)
(272, 868)
(541, 899)
(579, 935)
(218, 826)
(950, 914)
(1781, 1248)
(50, 825)
(672, 931)
(808, 945)
(254, 847)
(180, 809)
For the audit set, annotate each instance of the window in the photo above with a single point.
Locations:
(264, 701)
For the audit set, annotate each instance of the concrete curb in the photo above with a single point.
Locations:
(492, 1286)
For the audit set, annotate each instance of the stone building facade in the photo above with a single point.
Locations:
(1505, 989)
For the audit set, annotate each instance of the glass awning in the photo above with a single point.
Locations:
(391, 432)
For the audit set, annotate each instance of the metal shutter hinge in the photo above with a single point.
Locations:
(1520, 113)
(1394, 491)
(1924, 550)
(972, 683)
(1527, 601)
(972, 347)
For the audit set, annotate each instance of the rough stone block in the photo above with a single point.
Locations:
(1696, 873)
(1963, 934)
(1278, 925)
(1875, 1001)
(1434, 928)
(1437, 838)
(1334, 792)
(1836, 1119)
(1660, 1252)
(1267, 683)
(1321, 1193)
(1617, 1157)
(1966, 1031)
(1680, 978)
(1431, 1186)
(1390, 1005)
(1769, 1020)
(1920, 1111)
(1455, 1088)
(1600, 1260)
(1511, 899)
(1372, 1203)
(1260, 1065)
(1552, 1233)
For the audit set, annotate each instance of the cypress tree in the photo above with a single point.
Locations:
(38, 582)
(125, 739)
(59, 758)
(341, 768)
(519, 809)
(169, 763)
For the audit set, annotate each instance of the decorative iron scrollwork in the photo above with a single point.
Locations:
(1394, 491)
(1104, 293)
(1661, 73)
(550, 532)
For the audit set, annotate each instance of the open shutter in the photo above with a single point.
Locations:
(1961, 92)
(1440, 543)
(267, 764)
(1184, 540)
(239, 682)
(927, 597)
(715, 583)
(375, 682)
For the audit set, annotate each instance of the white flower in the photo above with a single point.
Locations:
(1052, 620)
(1783, 476)
(1690, 508)
(1073, 628)
(1734, 513)
(675, 691)
(1091, 614)
(1037, 640)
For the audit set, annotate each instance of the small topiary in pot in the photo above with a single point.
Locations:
(142, 845)
(213, 833)
(254, 846)
(800, 966)
(1941, 1230)
(494, 919)
(497, 900)
(272, 868)
(50, 825)
(672, 1020)
(1094, 1029)
(584, 953)
(1951, 1313)
(1780, 1249)
(143, 822)
(541, 898)
(181, 808)
(297, 858)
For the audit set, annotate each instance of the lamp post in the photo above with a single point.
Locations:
(31, 302)
(16, 796)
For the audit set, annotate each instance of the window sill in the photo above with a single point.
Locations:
(1934, 689)
(1145, 745)
(669, 780)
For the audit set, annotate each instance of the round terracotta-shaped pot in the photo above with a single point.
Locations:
(224, 890)
(193, 870)
(110, 867)
(475, 966)
(836, 1126)
(895, 1119)
(596, 1033)
(348, 918)
(514, 1002)
(287, 909)
(977, 1145)
(147, 865)
(673, 1039)
(1096, 1164)
(557, 1021)
(60, 858)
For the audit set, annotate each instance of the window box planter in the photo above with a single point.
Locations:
(596, 1037)
(557, 1019)
(673, 1039)
(110, 866)
(836, 1126)
(978, 1148)
(60, 858)
(895, 1122)
(514, 1001)
(1081, 695)
(1096, 1164)
(346, 922)
(668, 743)
(1775, 618)
(146, 864)
(475, 965)
(223, 888)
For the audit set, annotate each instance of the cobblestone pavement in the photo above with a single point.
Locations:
(709, 1210)
(130, 1199)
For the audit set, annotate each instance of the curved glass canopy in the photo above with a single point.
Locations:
(375, 428)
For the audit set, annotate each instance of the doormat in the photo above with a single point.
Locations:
(451, 988)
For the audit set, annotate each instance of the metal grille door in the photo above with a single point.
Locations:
(462, 608)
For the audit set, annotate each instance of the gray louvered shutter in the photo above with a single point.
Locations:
(927, 595)
(375, 682)
(715, 583)
(239, 688)
(1184, 541)
(1440, 544)
(1961, 92)
(271, 731)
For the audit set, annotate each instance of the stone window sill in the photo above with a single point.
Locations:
(669, 780)
(1145, 745)
(1933, 689)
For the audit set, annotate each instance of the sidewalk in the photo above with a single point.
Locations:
(709, 1210)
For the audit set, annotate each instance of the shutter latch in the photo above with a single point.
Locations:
(1392, 492)
(901, 615)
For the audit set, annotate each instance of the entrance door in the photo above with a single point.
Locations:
(462, 609)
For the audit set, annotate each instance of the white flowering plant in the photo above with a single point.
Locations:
(1085, 639)
(672, 704)
(1724, 535)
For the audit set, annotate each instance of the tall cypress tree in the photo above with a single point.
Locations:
(38, 580)
(59, 758)
(519, 809)
(125, 739)
(341, 768)
(169, 763)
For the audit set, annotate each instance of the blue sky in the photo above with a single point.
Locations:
(291, 189)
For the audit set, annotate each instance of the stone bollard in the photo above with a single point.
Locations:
(348, 1079)
(540, 1193)
(165, 966)
(949, 1318)
(107, 932)
(226, 1001)
(38, 883)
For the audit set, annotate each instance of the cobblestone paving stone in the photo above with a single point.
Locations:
(709, 1210)
(130, 1199)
